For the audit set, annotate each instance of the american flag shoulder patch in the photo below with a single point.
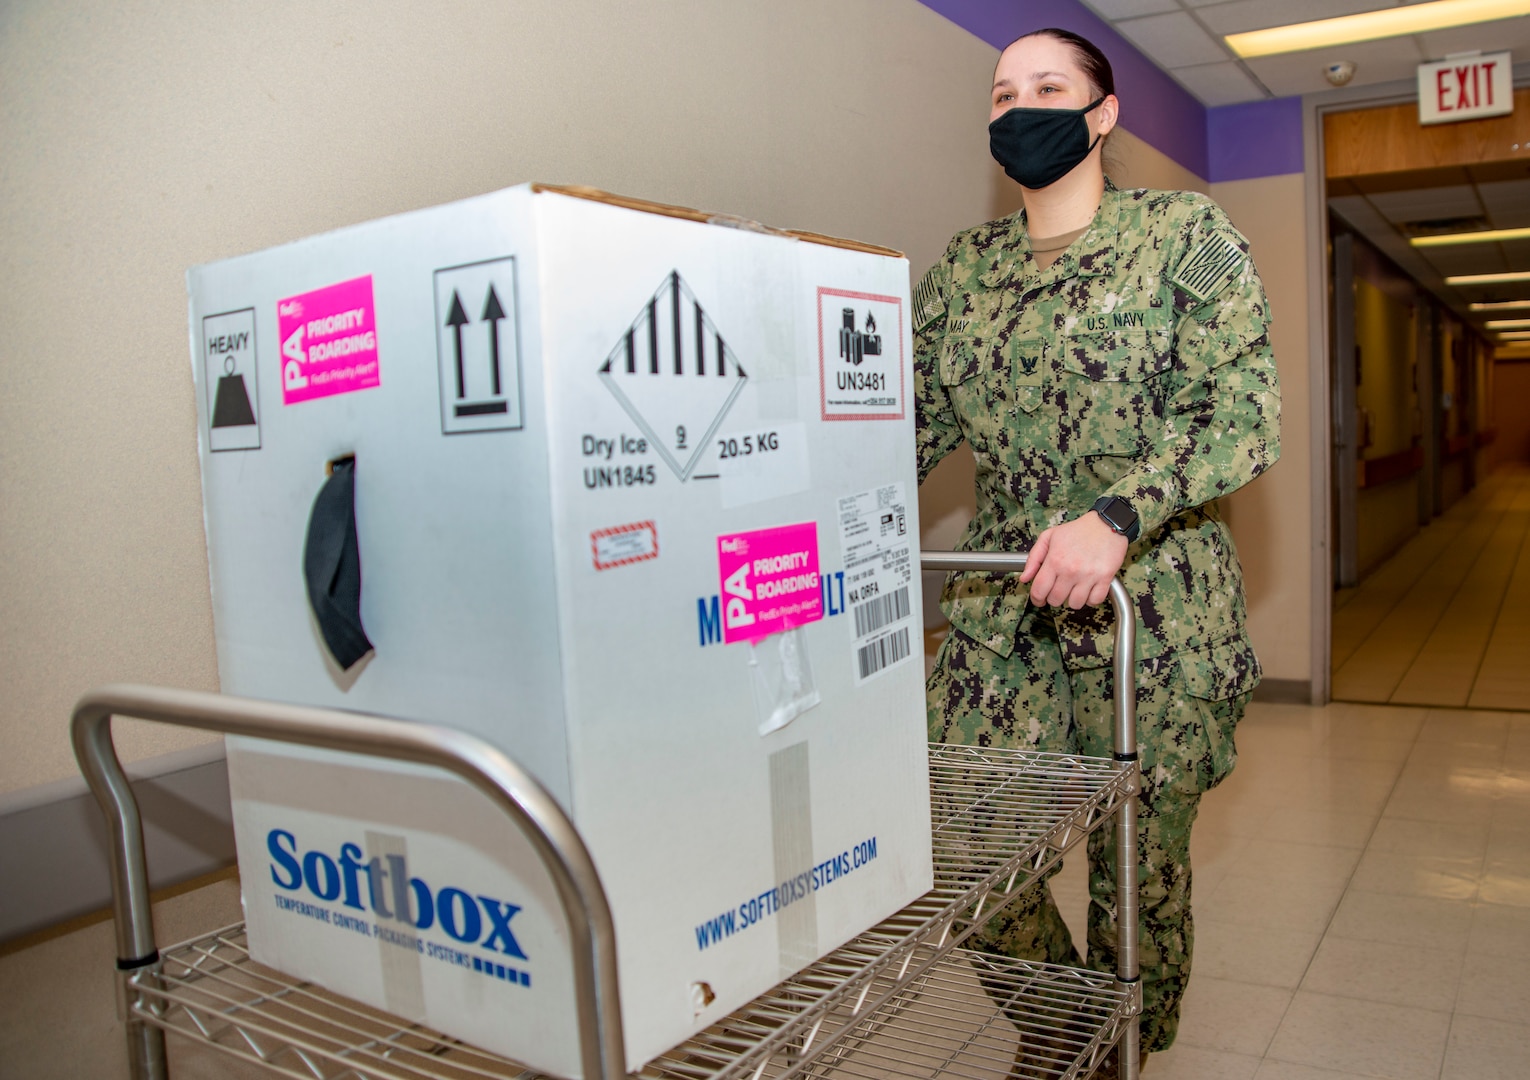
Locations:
(928, 303)
(1208, 268)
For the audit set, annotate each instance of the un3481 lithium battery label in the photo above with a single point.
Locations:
(879, 575)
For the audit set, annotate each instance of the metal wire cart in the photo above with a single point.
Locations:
(902, 999)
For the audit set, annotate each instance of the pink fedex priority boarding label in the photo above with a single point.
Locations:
(770, 580)
(329, 341)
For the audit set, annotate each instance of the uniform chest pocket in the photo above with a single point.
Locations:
(1115, 356)
(992, 385)
(1117, 389)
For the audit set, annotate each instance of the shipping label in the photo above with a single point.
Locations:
(879, 578)
(770, 580)
(329, 341)
(624, 544)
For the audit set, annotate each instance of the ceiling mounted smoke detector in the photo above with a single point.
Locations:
(1339, 74)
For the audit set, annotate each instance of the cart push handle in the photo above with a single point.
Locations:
(592, 934)
(592, 937)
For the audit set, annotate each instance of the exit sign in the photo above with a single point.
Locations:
(1465, 88)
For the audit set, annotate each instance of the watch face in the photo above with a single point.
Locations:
(1118, 514)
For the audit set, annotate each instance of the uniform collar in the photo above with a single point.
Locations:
(1091, 255)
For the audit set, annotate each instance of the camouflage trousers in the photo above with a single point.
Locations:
(977, 697)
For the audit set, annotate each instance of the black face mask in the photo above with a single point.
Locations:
(1039, 146)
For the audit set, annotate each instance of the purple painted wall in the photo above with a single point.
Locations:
(1232, 142)
(1259, 138)
(1154, 107)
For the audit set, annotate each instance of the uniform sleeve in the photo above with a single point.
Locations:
(935, 427)
(1222, 426)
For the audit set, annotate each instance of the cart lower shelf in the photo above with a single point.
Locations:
(969, 1015)
(899, 1000)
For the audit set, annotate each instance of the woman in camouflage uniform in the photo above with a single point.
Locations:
(1106, 356)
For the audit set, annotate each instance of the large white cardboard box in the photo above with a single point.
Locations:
(628, 493)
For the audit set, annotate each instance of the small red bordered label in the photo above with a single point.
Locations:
(624, 544)
(860, 355)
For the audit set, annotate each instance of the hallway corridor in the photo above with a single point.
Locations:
(1446, 621)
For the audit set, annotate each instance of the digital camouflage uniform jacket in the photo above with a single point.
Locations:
(1138, 364)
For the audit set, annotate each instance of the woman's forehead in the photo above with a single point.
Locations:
(1037, 57)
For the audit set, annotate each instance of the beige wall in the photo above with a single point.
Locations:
(1271, 519)
(140, 139)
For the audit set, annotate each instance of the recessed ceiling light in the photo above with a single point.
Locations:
(1370, 25)
(1488, 279)
(1470, 237)
(1500, 305)
(1507, 324)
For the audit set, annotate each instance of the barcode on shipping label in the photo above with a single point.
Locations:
(882, 652)
(876, 538)
(875, 614)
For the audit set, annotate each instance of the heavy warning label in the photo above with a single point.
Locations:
(879, 576)
(329, 341)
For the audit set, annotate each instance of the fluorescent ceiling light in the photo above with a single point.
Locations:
(1500, 305)
(1446, 239)
(1370, 25)
(1507, 324)
(1488, 279)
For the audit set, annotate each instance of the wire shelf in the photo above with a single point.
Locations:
(976, 1017)
(1000, 817)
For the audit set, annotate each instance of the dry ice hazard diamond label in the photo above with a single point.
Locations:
(675, 375)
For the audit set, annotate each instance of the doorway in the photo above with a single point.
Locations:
(1430, 483)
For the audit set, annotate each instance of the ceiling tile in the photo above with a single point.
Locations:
(1126, 9)
(1219, 84)
(1241, 15)
(1507, 202)
(1466, 259)
(1429, 204)
(1512, 34)
(1290, 74)
(1173, 40)
(1518, 252)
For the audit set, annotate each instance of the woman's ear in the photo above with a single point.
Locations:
(1106, 115)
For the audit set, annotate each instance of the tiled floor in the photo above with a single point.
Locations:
(1362, 896)
(1446, 621)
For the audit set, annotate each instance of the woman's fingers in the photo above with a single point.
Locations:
(1037, 556)
(1044, 587)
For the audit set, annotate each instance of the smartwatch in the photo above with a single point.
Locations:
(1119, 515)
